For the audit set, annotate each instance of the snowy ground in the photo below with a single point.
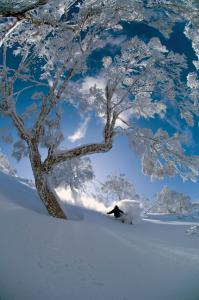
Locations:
(93, 258)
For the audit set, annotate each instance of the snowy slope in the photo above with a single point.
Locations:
(94, 258)
(18, 195)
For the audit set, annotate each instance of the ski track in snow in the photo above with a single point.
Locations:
(139, 245)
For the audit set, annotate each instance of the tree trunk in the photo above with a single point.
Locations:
(44, 190)
(48, 197)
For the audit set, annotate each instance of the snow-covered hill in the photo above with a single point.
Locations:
(94, 257)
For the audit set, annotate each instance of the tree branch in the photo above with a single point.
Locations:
(12, 27)
(52, 98)
(19, 125)
(103, 147)
(9, 12)
(76, 152)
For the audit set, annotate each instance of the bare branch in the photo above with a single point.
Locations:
(77, 152)
(50, 101)
(18, 122)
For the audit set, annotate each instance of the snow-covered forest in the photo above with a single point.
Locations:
(77, 78)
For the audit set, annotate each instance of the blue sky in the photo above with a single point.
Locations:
(121, 158)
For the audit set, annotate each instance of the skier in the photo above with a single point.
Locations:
(116, 211)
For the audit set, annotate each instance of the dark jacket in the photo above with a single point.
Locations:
(116, 211)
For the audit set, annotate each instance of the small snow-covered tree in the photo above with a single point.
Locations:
(169, 201)
(115, 188)
(195, 208)
(52, 41)
(145, 203)
(5, 166)
(75, 174)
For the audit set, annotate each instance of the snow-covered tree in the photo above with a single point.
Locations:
(169, 201)
(52, 41)
(115, 188)
(195, 207)
(145, 203)
(75, 174)
(180, 10)
(5, 166)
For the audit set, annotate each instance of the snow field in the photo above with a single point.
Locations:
(93, 258)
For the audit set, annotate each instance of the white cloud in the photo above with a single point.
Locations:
(117, 41)
(91, 81)
(186, 136)
(80, 132)
(172, 120)
(126, 115)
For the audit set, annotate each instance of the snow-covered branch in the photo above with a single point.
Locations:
(76, 152)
